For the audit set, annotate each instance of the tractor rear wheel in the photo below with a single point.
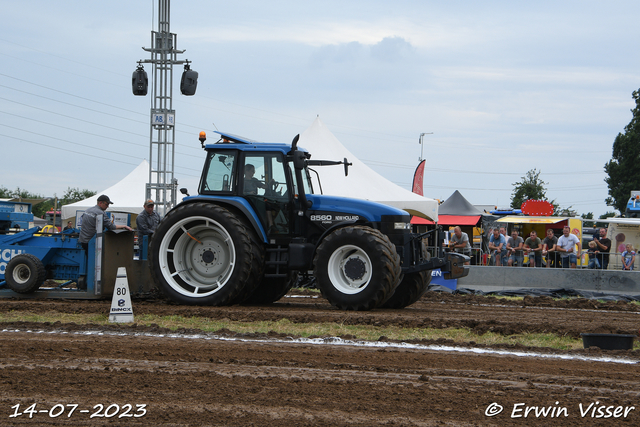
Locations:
(201, 254)
(410, 289)
(25, 273)
(257, 270)
(357, 268)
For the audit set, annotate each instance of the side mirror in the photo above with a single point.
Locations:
(299, 158)
(184, 191)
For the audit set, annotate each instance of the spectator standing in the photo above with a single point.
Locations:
(515, 245)
(147, 220)
(592, 252)
(604, 247)
(88, 227)
(69, 226)
(505, 253)
(533, 245)
(460, 242)
(628, 258)
(497, 246)
(567, 248)
(549, 248)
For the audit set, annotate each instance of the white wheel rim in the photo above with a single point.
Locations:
(197, 256)
(21, 274)
(349, 269)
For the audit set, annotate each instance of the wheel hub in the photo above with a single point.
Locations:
(355, 268)
(208, 256)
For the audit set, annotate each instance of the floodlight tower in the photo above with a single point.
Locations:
(162, 183)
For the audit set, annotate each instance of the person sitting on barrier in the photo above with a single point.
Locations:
(628, 258)
(460, 242)
(593, 260)
(88, 227)
(533, 245)
(497, 246)
(514, 247)
(549, 248)
(567, 248)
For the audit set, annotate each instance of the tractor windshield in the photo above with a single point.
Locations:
(219, 172)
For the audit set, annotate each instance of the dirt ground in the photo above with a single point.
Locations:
(48, 370)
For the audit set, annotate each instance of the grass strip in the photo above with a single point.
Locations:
(329, 329)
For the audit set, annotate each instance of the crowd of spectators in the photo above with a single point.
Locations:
(562, 252)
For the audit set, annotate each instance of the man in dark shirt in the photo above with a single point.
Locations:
(604, 247)
(88, 227)
(549, 248)
(147, 220)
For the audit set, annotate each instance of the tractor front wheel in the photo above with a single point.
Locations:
(357, 268)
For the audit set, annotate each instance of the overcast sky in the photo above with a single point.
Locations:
(504, 87)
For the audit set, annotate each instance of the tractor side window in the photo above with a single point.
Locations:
(306, 180)
(219, 175)
(254, 176)
(265, 186)
(264, 175)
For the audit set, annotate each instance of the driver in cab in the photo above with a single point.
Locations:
(251, 183)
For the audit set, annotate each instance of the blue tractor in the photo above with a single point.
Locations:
(256, 223)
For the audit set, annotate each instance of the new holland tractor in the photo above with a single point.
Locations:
(256, 223)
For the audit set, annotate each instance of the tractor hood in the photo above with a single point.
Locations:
(365, 209)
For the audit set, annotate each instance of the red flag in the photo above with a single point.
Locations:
(418, 179)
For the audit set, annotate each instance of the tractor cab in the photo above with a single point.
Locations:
(260, 173)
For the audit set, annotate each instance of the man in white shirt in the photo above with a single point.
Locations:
(567, 248)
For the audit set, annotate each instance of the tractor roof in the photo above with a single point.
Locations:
(246, 144)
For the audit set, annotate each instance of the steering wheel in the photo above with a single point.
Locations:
(273, 186)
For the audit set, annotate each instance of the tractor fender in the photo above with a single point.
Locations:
(238, 204)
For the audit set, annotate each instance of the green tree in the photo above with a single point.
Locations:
(73, 195)
(558, 211)
(530, 188)
(588, 215)
(605, 216)
(5, 193)
(624, 167)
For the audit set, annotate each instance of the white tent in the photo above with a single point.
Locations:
(127, 195)
(362, 182)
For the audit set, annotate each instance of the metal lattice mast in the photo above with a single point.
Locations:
(162, 182)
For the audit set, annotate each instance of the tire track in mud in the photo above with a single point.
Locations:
(364, 375)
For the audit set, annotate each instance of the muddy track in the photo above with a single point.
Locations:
(187, 381)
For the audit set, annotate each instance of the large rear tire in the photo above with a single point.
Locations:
(24, 273)
(357, 268)
(257, 271)
(201, 254)
(410, 289)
